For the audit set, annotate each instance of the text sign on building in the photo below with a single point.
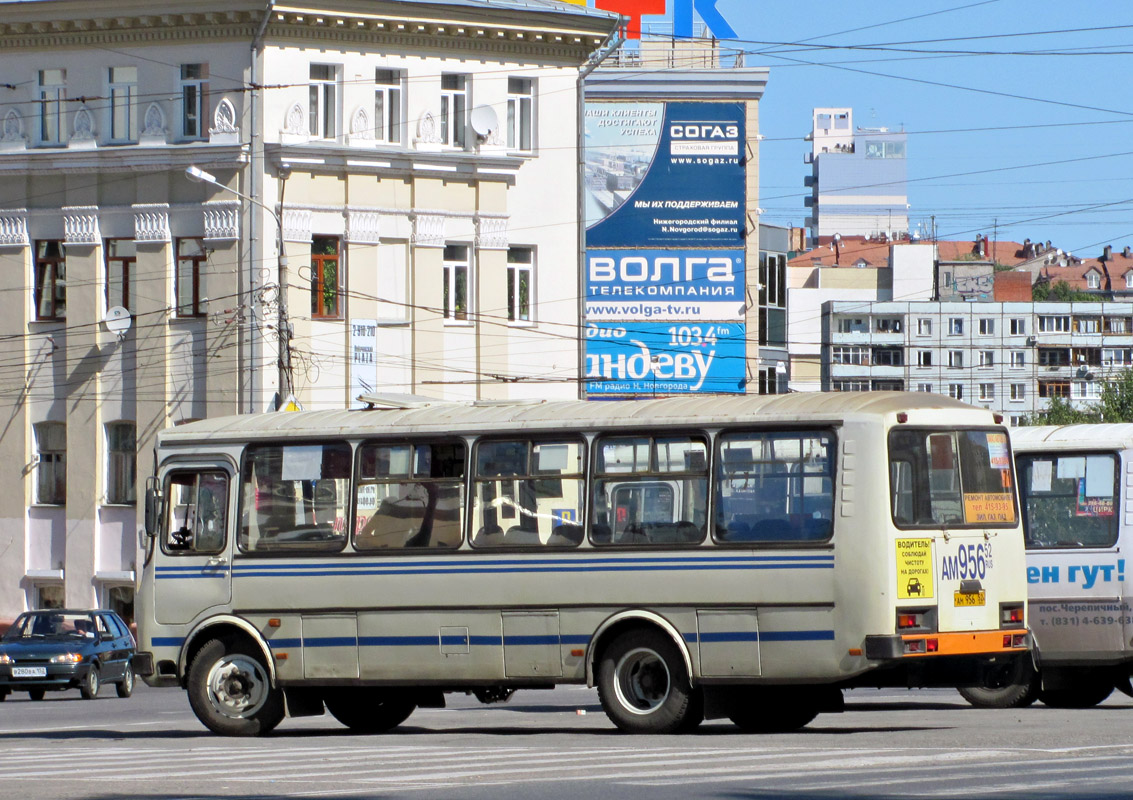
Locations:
(682, 11)
(659, 358)
(363, 361)
(643, 285)
(665, 174)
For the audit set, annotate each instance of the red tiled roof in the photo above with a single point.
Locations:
(1007, 253)
(851, 250)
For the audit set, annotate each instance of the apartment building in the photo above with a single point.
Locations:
(1009, 357)
(385, 200)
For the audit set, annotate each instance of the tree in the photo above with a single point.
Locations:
(1059, 292)
(1116, 405)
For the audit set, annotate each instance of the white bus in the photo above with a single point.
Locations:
(1074, 488)
(693, 558)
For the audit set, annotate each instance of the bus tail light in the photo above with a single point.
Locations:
(932, 645)
(915, 646)
(908, 621)
(916, 619)
(1015, 640)
(1011, 614)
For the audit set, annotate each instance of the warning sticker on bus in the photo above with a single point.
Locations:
(989, 507)
(914, 568)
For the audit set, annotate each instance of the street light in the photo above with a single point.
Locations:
(198, 175)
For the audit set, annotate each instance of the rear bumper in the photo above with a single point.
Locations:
(959, 659)
(938, 645)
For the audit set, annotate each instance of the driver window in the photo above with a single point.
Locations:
(196, 505)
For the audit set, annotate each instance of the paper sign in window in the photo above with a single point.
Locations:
(1041, 474)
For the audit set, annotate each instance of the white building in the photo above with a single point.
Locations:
(418, 160)
(1009, 357)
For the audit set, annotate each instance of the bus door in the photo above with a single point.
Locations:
(194, 570)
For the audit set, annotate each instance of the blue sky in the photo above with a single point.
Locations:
(971, 113)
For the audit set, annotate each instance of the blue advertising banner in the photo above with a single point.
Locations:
(656, 358)
(665, 174)
(639, 285)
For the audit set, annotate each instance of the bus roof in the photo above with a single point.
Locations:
(513, 416)
(1100, 436)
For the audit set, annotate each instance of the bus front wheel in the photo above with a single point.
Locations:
(369, 710)
(644, 686)
(230, 690)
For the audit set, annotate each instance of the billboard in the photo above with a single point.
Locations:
(665, 174)
(663, 358)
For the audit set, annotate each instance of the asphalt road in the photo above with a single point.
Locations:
(888, 744)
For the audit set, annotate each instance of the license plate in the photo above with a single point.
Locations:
(973, 599)
(29, 672)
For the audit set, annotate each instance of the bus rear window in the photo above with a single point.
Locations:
(952, 479)
(1069, 499)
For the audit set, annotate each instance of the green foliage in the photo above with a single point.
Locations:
(1116, 405)
(1059, 292)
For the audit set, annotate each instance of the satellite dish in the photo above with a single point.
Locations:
(118, 321)
(484, 121)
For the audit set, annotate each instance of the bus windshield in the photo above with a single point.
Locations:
(954, 479)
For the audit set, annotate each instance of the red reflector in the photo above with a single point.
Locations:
(914, 646)
(1007, 640)
(906, 620)
(932, 645)
(1020, 639)
(902, 417)
(998, 419)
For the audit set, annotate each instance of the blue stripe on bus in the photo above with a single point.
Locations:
(167, 641)
(760, 636)
(279, 644)
(433, 562)
(300, 572)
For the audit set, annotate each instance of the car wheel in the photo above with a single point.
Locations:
(368, 710)
(36, 694)
(644, 687)
(91, 684)
(125, 687)
(230, 690)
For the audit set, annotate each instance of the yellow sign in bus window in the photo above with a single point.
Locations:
(914, 569)
(989, 507)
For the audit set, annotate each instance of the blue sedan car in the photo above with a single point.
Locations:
(62, 649)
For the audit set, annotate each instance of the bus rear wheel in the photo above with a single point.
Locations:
(644, 686)
(773, 710)
(1016, 686)
(369, 710)
(230, 690)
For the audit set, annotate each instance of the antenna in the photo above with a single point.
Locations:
(484, 121)
(118, 321)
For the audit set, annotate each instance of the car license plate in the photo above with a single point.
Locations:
(29, 672)
(972, 599)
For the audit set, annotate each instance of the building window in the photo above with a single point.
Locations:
(121, 463)
(1087, 324)
(123, 99)
(858, 356)
(956, 326)
(1016, 420)
(520, 113)
(851, 386)
(924, 327)
(924, 387)
(851, 325)
(1018, 359)
(987, 326)
(987, 358)
(1087, 390)
(50, 280)
(191, 259)
(1093, 281)
(888, 325)
(121, 255)
(1054, 357)
(326, 278)
(1054, 389)
(1129, 280)
(52, 115)
(456, 282)
(956, 358)
(194, 100)
(889, 357)
(956, 390)
(454, 109)
(1116, 358)
(51, 466)
(987, 391)
(387, 105)
(1018, 392)
(520, 266)
(1054, 324)
(1116, 325)
(322, 111)
(924, 358)
(1019, 326)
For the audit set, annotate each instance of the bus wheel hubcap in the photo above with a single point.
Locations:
(641, 680)
(237, 686)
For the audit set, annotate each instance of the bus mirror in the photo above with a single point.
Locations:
(153, 504)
